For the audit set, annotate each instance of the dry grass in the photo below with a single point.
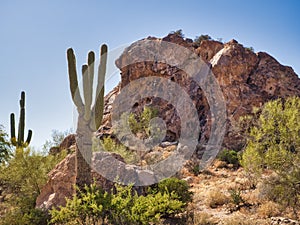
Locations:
(268, 209)
(216, 198)
(219, 164)
(203, 218)
(239, 219)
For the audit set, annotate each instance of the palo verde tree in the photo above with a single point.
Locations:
(5, 150)
(19, 141)
(89, 117)
(274, 144)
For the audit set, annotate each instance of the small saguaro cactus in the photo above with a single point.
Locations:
(19, 141)
(89, 116)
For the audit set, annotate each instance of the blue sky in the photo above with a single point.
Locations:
(36, 34)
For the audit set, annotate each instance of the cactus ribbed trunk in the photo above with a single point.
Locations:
(89, 117)
(83, 153)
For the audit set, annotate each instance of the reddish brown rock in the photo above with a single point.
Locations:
(208, 49)
(247, 80)
(60, 184)
(68, 142)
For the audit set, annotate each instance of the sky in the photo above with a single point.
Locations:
(34, 37)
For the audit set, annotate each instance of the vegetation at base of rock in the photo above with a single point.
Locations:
(229, 156)
(179, 187)
(124, 205)
(22, 178)
(274, 144)
(111, 145)
(141, 123)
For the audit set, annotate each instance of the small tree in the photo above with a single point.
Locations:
(274, 144)
(56, 139)
(201, 38)
(178, 32)
(5, 148)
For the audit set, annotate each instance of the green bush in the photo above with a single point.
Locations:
(5, 147)
(141, 123)
(250, 49)
(91, 204)
(121, 206)
(110, 145)
(178, 32)
(236, 197)
(177, 186)
(229, 156)
(151, 208)
(201, 38)
(22, 178)
(274, 144)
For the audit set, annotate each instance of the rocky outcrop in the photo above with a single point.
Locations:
(247, 80)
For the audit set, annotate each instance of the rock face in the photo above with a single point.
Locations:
(61, 182)
(247, 80)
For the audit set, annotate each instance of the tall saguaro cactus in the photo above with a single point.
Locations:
(19, 141)
(89, 117)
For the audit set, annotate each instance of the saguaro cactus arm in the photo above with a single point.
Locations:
(22, 119)
(13, 129)
(73, 80)
(99, 105)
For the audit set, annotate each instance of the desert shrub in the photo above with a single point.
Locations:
(92, 203)
(111, 145)
(250, 49)
(196, 169)
(179, 187)
(5, 147)
(122, 206)
(268, 209)
(152, 207)
(31, 216)
(141, 123)
(216, 198)
(204, 218)
(236, 197)
(178, 32)
(229, 156)
(201, 38)
(22, 178)
(274, 144)
(239, 220)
